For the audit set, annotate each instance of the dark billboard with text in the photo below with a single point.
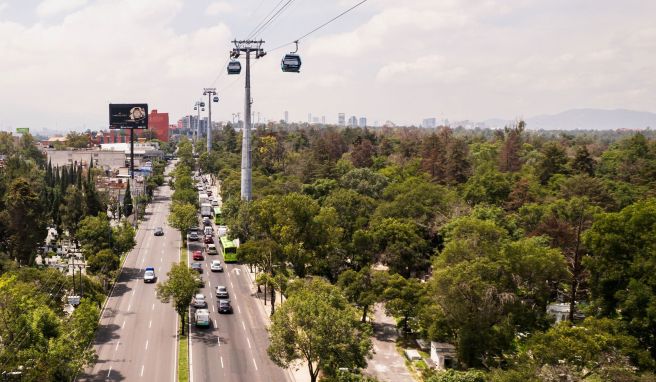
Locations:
(128, 116)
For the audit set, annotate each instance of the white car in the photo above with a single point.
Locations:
(199, 301)
(149, 275)
(216, 266)
(215, 203)
(222, 292)
(211, 249)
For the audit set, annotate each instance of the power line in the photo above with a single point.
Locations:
(320, 26)
(264, 19)
(268, 22)
(275, 17)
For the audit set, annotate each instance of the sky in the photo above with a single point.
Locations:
(63, 61)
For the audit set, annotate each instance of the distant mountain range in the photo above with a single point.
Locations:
(586, 119)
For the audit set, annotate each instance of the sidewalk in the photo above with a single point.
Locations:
(387, 364)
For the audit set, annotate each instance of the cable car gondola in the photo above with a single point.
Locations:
(215, 99)
(234, 67)
(291, 62)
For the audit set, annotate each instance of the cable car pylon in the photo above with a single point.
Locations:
(247, 47)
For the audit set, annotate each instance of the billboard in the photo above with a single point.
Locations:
(22, 130)
(128, 116)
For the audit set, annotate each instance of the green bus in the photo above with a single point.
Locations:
(218, 219)
(229, 250)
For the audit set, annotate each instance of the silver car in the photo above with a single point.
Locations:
(222, 292)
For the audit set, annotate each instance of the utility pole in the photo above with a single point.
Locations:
(210, 92)
(248, 47)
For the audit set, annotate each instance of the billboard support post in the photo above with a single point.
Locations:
(132, 153)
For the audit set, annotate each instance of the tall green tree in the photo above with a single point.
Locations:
(316, 325)
(363, 288)
(23, 220)
(179, 289)
(182, 217)
(127, 202)
(72, 210)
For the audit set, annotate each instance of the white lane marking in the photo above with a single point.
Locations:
(153, 308)
(243, 325)
(238, 308)
(109, 372)
(122, 326)
(147, 344)
(237, 270)
(217, 327)
(161, 259)
(221, 362)
(116, 347)
(133, 292)
(143, 261)
(142, 368)
(209, 284)
(249, 342)
(129, 306)
(255, 363)
(150, 323)
(232, 286)
(212, 308)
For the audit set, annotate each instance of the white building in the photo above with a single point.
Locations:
(443, 354)
(341, 119)
(363, 121)
(559, 311)
(353, 121)
(429, 123)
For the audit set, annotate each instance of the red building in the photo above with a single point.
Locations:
(158, 124)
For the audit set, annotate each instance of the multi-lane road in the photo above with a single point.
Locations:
(234, 347)
(136, 338)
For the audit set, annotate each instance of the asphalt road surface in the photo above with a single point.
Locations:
(234, 347)
(136, 339)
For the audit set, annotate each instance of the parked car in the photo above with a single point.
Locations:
(199, 301)
(159, 231)
(208, 239)
(216, 266)
(215, 203)
(225, 307)
(198, 267)
(222, 292)
(198, 255)
(211, 249)
(149, 275)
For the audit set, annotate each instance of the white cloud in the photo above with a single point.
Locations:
(48, 8)
(3, 6)
(219, 7)
(424, 69)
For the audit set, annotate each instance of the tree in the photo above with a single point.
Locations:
(400, 246)
(182, 217)
(403, 298)
(583, 162)
(123, 238)
(596, 349)
(553, 162)
(364, 181)
(23, 219)
(103, 262)
(318, 326)
(509, 155)
(72, 209)
(127, 202)
(94, 234)
(363, 288)
(77, 140)
(622, 264)
(362, 153)
(179, 289)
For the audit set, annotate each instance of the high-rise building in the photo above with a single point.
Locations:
(353, 121)
(363, 121)
(309, 117)
(286, 116)
(323, 119)
(341, 119)
(429, 123)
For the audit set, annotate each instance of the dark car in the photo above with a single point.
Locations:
(193, 236)
(225, 307)
(208, 239)
(198, 255)
(159, 231)
(198, 267)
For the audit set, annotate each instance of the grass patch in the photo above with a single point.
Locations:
(183, 358)
(184, 255)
